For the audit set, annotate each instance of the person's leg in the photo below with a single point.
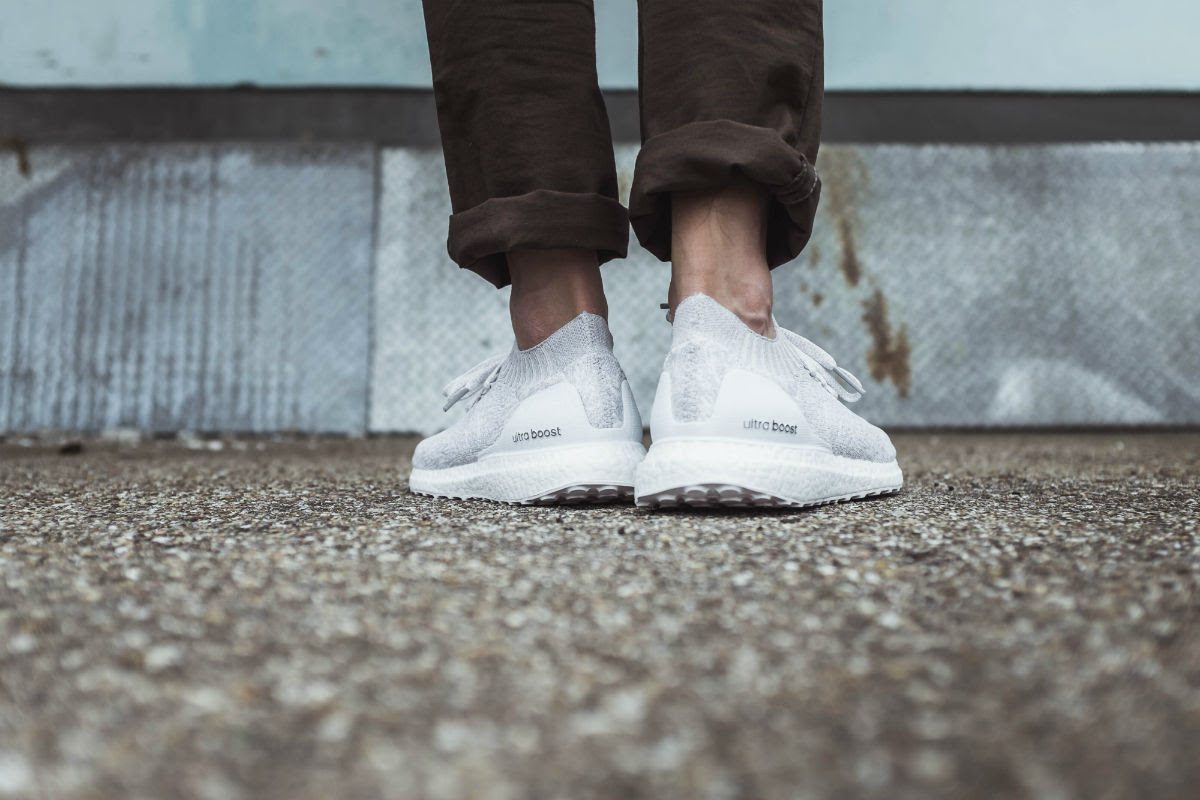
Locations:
(528, 152)
(550, 288)
(731, 117)
(745, 414)
(534, 193)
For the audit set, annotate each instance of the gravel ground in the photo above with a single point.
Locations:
(281, 620)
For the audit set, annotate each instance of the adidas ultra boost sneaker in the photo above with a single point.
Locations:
(740, 419)
(552, 424)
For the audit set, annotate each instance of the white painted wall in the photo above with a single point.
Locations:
(872, 44)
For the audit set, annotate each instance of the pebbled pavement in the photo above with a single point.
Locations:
(279, 619)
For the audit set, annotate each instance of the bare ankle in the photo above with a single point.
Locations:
(750, 302)
(718, 248)
(549, 289)
(753, 310)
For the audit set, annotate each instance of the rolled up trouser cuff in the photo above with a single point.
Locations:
(709, 155)
(482, 236)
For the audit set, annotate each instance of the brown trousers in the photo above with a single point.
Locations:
(728, 88)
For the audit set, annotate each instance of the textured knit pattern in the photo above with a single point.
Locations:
(708, 340)
(580, 353)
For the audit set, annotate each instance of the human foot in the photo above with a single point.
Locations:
(742, 419)
(555, 423)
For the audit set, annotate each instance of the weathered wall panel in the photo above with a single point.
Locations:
(229, 287)
(967, 286)
(1010, 285)
(432, 320)
(177, 287)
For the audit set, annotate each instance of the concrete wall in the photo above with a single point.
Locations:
(302, 287)
(872, 44)
(196, 287)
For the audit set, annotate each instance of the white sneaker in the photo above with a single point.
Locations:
(740, 419)
(552, 424)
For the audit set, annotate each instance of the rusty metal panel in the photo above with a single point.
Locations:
(230, 287)
(967, 286)
(195, 287)
(1001, 286)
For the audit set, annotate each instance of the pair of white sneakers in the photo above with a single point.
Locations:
(738, 420)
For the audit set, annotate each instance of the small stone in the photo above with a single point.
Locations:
(161, 657)
(22, 643)
(16, 776)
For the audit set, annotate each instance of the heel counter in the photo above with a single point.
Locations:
(557, 417)
(746, 406)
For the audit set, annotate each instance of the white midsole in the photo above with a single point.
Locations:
(522, 477)
(799, 475)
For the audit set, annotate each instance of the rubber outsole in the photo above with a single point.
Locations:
(584, 495)
(704, 473)
(724, 495)
(569, 496)
(600, 472)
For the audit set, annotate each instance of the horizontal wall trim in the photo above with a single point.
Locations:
(407, 116)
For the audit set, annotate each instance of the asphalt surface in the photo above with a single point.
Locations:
(281, 620)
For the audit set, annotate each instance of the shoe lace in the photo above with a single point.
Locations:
(473, 383)
(838, 380)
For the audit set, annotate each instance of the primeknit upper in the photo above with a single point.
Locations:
(709, 339)
(579, 352)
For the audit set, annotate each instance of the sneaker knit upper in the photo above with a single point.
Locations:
(708, 340)
(580, 353)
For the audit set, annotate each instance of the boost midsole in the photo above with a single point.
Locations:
(516, 477)
(797, 474)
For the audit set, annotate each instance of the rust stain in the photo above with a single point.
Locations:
(851, 266)
(846, 180)
(21, 151)
(890, 356)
